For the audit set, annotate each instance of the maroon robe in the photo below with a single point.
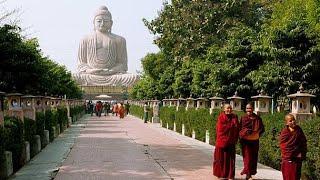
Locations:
(227, 130)
(251, 128)
(293, 147)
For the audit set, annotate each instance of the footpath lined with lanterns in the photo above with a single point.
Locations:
(29, 123)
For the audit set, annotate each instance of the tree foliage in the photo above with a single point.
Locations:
(23, 68)
(219, 47)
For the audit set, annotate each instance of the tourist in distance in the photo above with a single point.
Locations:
(227, 130)
(146, 112)
(293, 145)
(251, 128)
(121, 111)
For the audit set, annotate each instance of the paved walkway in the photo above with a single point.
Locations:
(109, 148)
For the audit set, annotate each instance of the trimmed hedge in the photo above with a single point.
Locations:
(14, 140)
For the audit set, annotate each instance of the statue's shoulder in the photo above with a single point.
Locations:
(118, 38)
(88, 37)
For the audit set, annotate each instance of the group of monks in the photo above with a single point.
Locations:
(293, 144)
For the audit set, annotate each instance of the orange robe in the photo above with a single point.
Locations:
(121, 111)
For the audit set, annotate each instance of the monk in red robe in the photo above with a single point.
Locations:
(251, 128)
(227, 130)
(121, 111)
(293, 145)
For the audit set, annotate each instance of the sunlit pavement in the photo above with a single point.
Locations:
(110, 148)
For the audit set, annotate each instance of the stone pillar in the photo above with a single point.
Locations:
(6, 167)
(36, 145)
(156, 109)
(190, 103)
(46, 138)
(183, 130)
(207, 137)
(193, 134)
(26, 151)
(1, 108)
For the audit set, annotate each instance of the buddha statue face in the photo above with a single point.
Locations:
(102, 23)
(103, 20)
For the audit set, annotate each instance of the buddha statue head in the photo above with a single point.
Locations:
(102, 20)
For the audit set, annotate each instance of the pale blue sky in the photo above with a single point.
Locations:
(59, 25)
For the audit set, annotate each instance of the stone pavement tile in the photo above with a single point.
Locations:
(103, 150)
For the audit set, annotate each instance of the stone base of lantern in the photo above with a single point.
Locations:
(259, 113)
(302, 116)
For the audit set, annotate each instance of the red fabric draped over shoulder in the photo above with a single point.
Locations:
(227, 130)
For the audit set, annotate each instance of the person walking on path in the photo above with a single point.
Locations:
(251, 128)
(293, 145)
(121, 111)
(127, 108)
(98, 108)
(227, 130)
(106, 108)
(145, 112)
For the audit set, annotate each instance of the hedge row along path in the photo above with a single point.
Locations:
(110, 148)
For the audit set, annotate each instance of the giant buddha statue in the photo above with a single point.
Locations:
(102, 55)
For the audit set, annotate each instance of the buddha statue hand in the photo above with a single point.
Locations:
(93, 71)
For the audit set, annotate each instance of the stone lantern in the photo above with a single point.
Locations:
(1, 108)
(46, 104)
(181, 103)
(261, 103)
(216, 103)
(29, 106)
(39, 103)
(235, 101)
(165, 102)
(53, 104)
(155, 110)
(190, 103)
(14, 105)
(301, 104)
(202, 103)
(173, 102)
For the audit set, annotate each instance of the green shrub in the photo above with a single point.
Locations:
(14, 140)
(62, 118)
(76, 111)
(40, 125)
(50, 122)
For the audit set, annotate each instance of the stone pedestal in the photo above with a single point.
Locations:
(26, 151)
(54, 132)
(183, 130)
(36, 145)
(6, 167)
(193, 134)
(58, 130)
(69, 121)
(46, 139)
(155, 118)
(207, 137)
